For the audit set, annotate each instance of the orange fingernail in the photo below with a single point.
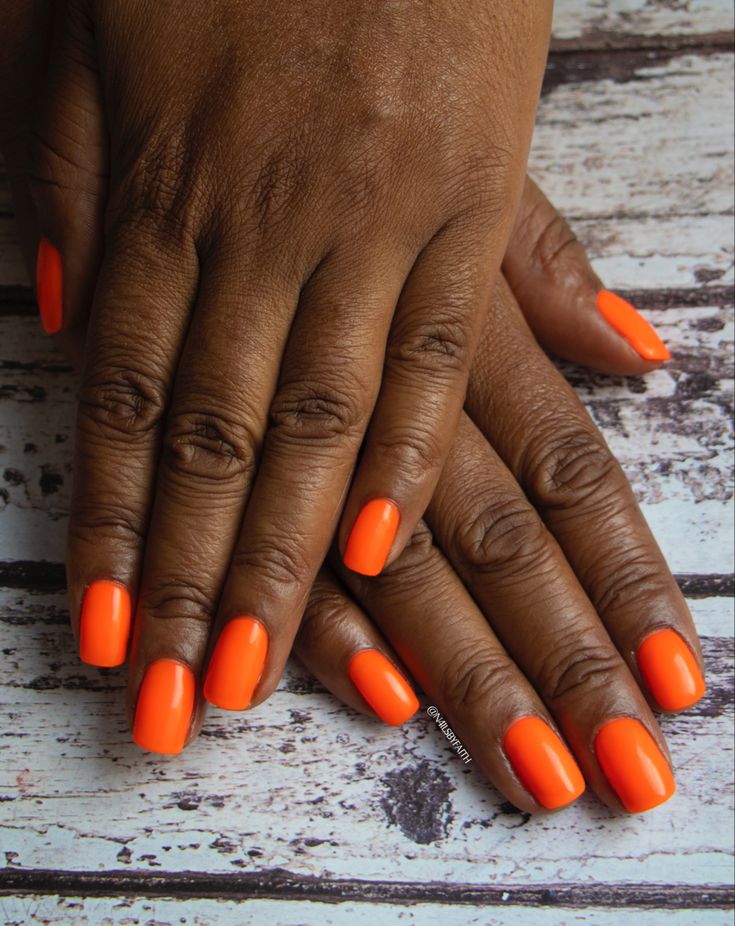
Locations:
(372, 536)
(670, 670)
(382, 686)
(629, 323)
(236, 664)
(49, 276)
(634, 765)
(543, 763)
(104, 626)
(164, 709)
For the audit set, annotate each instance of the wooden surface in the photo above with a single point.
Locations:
(302, 812)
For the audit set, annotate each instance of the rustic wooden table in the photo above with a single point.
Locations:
(302, 812)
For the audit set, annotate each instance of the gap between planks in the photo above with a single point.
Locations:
(281, 884)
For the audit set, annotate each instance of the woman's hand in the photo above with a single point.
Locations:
(305, 209)
(533, 599)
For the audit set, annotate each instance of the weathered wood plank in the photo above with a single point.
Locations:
(303, 784)
(634, 18)
(54, 910)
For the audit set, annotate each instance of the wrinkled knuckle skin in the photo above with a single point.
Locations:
(578, 672)
(312, 413)
(209, 446)
(326, 620)
(162, 189)
(506, 536)
(475, 678)
(106, 520)
(411, 452)
(279, 184)
(282, 562)
(417, 561)
(551, 242)
(177, 598)
(431, 344)
(122, 401)
(570, 468)
(628, 580)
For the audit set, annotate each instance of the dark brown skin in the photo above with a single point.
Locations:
(527, 481)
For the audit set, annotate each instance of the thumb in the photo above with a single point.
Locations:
(67, 177)
(563, 300)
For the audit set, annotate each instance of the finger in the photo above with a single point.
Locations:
(317, 421)
(567, 307)
(143, 300)
(342, 647)
(436, 628)
(432, 340)
(561, 460)
(518, 575)
(213, 433)
(68, 177)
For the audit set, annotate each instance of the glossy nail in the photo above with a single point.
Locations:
(49, 276)
(104, 627)
(382, 686)
(543, 763)
(372, 536)
(634, 765)
(164, 708)
(670, 670)
(629, 323)
(236, 664)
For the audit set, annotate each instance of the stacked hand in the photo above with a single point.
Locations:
(271, 235)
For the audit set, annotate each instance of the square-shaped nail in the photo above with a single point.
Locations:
(104, 626)
(236, 664)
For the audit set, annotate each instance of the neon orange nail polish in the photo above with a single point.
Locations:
(236, 664)
(49, 275)
(164, 708)
(372, 536)
(382, 686)
(629, 323)
(543, 763)
(670, 670)
(104, 627)
(634, 765)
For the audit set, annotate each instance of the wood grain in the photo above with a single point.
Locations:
(302, 812)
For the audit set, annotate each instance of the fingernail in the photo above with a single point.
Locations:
(164, 709)
(49, 277)
(104, 626)
(634, 765)
(236, 664)
(542, 762)
(372, 536)
(629, 323)
(670, 670)
(382, 686)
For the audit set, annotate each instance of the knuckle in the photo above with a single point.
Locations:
(121, 399)
(177, 598)
(432, 342)
(161, 188)
(475, 677)
(106, 520)
(503, 537)
(327, 619)
(209, 446)
(576, 671)
(570, 467)
(411, 450)
(279, 184)
(280, 562)
(417, 560)
(551, 241)
(620, 581)
(307, 412)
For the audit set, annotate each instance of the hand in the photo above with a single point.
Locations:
(534, 598)
(305, 213)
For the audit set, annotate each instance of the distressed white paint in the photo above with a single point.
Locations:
(578, 18)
